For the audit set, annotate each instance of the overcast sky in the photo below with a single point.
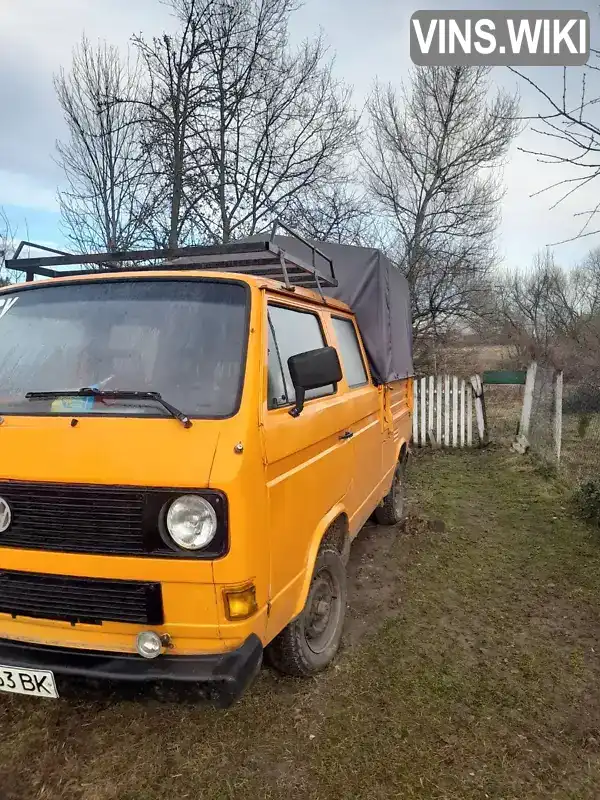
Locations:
(370, 40)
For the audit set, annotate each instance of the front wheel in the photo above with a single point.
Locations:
(392, 509)
(310, 642)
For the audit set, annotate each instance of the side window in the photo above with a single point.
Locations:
(290, 332)
(350, 354)
(276, 390)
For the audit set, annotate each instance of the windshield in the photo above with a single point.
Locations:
(185, 339)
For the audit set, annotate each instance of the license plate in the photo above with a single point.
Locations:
(36, 682)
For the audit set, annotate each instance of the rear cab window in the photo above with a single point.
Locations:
(290, 331)
(351, 357)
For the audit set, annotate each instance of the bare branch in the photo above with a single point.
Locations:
(7, 237)
(571, 134)
(336, 215)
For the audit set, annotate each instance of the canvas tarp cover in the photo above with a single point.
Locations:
(378, 294)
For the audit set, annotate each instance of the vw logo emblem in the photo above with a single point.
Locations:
(5, 515)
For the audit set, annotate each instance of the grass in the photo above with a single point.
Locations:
(475, 675)
(503, 409)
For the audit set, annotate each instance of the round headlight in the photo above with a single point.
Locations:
(191, 522)
(148, 644)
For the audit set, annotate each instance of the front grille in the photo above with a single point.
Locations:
(88, 600)
(74, 519)
(103, 520)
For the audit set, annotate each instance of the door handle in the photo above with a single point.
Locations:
(347, 435)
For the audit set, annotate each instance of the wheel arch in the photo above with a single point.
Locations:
(334, 528)
(403, 450)
(402, 453)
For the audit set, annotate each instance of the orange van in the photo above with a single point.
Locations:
(186, 454)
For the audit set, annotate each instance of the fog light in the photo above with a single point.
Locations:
(240, 603)
(148, 644)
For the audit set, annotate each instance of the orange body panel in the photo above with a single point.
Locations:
(286, 479)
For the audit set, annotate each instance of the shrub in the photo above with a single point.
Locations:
(583, 424)
(587, 499)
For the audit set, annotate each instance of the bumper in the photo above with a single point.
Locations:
(225, 676)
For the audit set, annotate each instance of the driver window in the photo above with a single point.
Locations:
(291, 332)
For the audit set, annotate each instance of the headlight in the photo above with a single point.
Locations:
(191, 522)
(148, 644)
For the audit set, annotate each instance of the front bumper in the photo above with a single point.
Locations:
(225, 676)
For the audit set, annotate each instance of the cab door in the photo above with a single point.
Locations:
(308, 459)
(363, 417)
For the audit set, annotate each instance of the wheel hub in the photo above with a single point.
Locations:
(322, 611)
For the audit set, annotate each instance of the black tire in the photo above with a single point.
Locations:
(392, 509)
(310, 642)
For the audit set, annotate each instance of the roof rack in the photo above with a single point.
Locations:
(258, 256)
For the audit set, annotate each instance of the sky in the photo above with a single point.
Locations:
(370, 41)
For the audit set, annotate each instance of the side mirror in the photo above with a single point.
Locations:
(312, 370)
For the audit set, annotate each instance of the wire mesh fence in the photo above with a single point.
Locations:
(564, 425)
(580, 458)
(561, 426)
(543, 436)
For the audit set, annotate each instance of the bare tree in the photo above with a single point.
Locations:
(432, 167)
(107, 199)
(229, 125)
(587, 276)
(274, 125)
(175, 66)
(553, 315)
(526, 298)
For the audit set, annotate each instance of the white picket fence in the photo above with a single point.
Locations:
(443, 411)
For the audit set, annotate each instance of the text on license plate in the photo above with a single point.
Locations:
(19, 680)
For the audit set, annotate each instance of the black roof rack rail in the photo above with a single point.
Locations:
(261, 257)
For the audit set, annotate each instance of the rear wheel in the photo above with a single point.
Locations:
(392, 509)
(310, 642)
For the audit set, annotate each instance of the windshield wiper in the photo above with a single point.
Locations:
(115, 394)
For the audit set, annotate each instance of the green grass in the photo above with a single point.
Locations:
(479, 675)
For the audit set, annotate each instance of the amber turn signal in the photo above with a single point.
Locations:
(240, 603)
